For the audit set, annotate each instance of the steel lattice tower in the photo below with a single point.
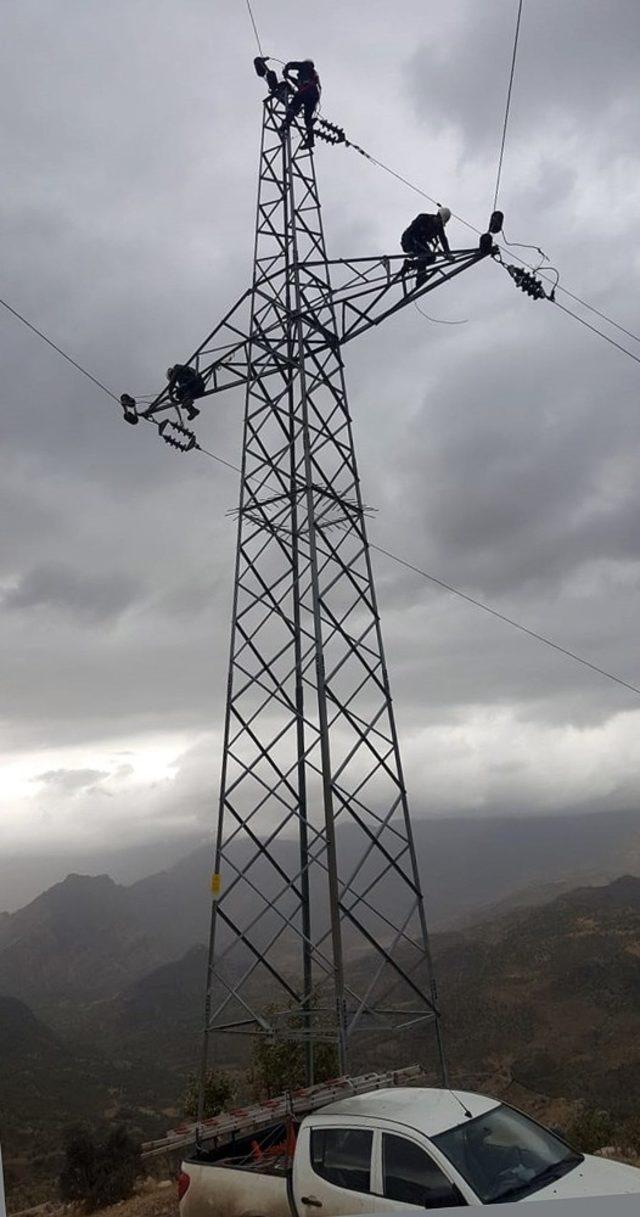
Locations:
(318, 927)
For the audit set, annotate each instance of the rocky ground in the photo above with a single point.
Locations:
(153, 1199)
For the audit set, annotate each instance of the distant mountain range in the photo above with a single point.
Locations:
(87, 938)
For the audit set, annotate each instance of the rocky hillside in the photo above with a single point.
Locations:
(78, 941)
(550, 997)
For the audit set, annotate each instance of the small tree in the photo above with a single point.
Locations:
(80, 1164)
(98, 1173)
(278, 1064)
(592, 1130)
(218, 1092)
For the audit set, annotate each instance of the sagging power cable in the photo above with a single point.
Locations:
(51, 343)
(594, 329)
(255, 28)
(508, 105)
(517, 625)
(480, 604)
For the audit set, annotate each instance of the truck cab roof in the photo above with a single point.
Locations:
(425, 1109)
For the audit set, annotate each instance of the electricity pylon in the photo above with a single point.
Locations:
(318, 928)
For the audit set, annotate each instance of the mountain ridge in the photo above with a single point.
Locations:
(87, 937)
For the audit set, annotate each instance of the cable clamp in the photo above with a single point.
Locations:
(130, 409)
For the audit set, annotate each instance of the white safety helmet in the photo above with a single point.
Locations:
(445, 214)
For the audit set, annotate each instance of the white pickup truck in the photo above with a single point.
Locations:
(392, 1150)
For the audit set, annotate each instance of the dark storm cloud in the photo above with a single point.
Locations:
(93, 598)
(577, 64)
(530, 478)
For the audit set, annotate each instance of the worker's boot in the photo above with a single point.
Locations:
(192, 411)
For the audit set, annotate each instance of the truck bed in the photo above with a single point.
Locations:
(234, 1192)
(248, 1177)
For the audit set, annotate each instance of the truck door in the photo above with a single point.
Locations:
(332, 1171)
(407, 1177)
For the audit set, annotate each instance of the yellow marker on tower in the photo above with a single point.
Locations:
(216, 886)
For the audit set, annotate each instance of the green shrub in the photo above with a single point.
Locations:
(278, 1064)
(592, 1130)
(218, 1092)
(97, 1173)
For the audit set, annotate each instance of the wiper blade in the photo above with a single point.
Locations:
(553, 1172)
(559, 1168)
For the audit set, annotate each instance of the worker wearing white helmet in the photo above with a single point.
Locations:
(421, 239)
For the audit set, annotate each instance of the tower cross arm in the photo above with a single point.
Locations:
(363, 292)
(223, 360)
(359, 292)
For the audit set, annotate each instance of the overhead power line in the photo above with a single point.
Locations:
(598, 313)
(486, 608)
(221, 461)
(594, 329)
(508, 104)
(255, 28)
(60, 351)
(517, 625)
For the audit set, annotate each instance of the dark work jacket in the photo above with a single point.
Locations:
(307, 77)
(426, 228)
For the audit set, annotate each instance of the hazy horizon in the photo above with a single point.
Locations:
(24, 876)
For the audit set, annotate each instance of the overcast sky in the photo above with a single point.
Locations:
(502, 455)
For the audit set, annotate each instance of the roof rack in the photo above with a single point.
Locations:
(244, 1120)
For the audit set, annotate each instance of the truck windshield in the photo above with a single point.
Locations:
(503, 1155)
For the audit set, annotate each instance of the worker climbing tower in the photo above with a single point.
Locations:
(318, 930)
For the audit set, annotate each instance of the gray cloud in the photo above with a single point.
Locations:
(70, 780)
(95, 598)
(575, 67)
